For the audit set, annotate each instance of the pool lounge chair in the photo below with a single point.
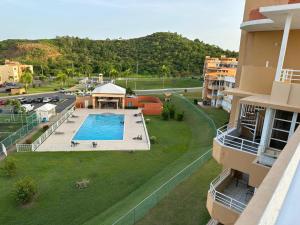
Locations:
(74, 143)
(139, 137)
(94, 144)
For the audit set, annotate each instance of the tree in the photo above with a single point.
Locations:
(62, 78)
(113, 73)
(27, 78)
(165, 70)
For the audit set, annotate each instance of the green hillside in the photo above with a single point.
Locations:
(144, 55)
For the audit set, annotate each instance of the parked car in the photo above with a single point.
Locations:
(47, 99)
(22, 100)
(2, 102)
(28, 107)
(38, 100)
(29, 100)
(55, 98)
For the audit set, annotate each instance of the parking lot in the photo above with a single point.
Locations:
(64, 100)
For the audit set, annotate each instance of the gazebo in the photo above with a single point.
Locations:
(46, 111)
(109, 96)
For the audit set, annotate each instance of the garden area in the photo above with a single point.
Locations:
(115, 181)
(159, 83)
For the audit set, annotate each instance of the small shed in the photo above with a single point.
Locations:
(45, 112)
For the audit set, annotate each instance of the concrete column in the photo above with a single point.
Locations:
(266, 132)
(284, 43)
(123, 103)
(94, 102)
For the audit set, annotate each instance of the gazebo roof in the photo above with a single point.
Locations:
(46, 107)
(109, 88)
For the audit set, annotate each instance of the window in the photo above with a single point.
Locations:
(297, 121)
(284, 125)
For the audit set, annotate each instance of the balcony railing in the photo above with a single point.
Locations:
(290, 76)
(212, 222)
(222, 198)
(229, 136)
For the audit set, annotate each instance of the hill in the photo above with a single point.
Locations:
(144, 55)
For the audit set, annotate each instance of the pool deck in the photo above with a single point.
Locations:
(61, 142)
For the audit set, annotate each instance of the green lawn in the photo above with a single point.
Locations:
(118, 180)
(7, 128)
(186, 204)
(53, 86)
(157, 83)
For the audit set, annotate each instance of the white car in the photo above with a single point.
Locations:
(28, 107)
(47, 99)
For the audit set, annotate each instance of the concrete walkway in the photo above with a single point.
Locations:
(62, 140)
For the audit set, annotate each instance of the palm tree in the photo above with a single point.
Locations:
(113, 73)
(165, 72)
(62, 78)
(27, 78)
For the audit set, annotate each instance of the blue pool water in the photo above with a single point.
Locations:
(101, 127)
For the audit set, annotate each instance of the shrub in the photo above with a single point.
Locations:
(172, 111)
(180, 116)
(153, 140)
(196, 101)
(90, 107)
(9, 168)
(131, 107)
(46, 127)
(24, 190)
(28, 141)
(165, 114)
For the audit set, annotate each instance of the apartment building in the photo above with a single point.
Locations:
(12, 71)
(219, 75)
(259, 149)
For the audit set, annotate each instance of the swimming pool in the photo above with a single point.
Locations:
(101, 127)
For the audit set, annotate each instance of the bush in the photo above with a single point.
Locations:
(28, 141)
(46, 127)
(172, 111)
(24, 190)
(131, 107)
(196, 101)
(9, 168)
(90, 107)
(165, 114)
(153, 140)
(180, 116)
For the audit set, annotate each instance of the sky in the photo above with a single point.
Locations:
(212, 21)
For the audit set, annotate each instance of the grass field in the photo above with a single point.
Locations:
(186, 204)
(7, 128)
(157, 83)
(49, 87)
(118, 180)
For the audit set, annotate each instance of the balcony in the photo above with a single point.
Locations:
(233, 150)
(290, 76)
(228, 196)
(232, 138)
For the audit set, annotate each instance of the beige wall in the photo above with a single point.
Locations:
(241, 161)
(254, 4)
(219, 212)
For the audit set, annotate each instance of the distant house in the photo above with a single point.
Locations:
(12, 71)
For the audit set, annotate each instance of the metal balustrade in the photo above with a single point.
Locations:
(32, 147)
(225, 137)
(222, 198)
(212, 222)
(290, 76)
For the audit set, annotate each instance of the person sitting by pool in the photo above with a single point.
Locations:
(94, 144)
(74, 143)
(139, 137)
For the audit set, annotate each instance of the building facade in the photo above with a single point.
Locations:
(261, 142)
(219, 75)
(12, 71)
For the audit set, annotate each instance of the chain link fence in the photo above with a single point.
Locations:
(140, 210)
(27, 123)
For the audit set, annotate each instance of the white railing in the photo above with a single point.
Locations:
(212, 222)
(232, 141)
(32, 147)
(290, 76)
(146, 132)
(222, 198)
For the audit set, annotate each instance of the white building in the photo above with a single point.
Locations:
(45, 112)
